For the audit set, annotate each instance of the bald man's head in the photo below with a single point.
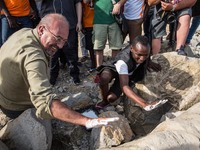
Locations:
(53, 31)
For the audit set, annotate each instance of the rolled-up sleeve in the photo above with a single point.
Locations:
(37, 76)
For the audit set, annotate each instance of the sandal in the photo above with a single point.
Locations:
(156, 105)
(101, 105)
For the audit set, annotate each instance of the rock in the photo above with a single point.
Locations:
(3, 146)
(27, 132)
(181, 133)
(69, 136)
(78, 101)
(114, 134)
(178, 82)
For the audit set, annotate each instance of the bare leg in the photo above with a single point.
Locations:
(92, 58)
(182, 30)
(105, 78)
(114, 52)
(156, 46)
(99, 57)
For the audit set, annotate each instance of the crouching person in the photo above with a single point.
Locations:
(127, 68)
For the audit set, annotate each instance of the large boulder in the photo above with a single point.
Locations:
(114, 134)
(178, 81)
(27, 132)
(182, 132)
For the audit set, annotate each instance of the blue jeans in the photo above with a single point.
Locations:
(193, 28)
(6, 31)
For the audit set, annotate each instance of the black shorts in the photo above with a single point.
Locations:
(115, 86)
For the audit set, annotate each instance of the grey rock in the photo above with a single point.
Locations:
(27, 132)
(181, 133)
(78, 101)
(114, 134)
(3, 146)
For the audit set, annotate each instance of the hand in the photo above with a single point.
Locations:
(33, 15)
(154, 66)
(116, 9)
(95, 123)
(12, 22)
(166, 6)
(78, 27)
(155, 105)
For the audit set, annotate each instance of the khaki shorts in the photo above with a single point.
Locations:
(102, 32)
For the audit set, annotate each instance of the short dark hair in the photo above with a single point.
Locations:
(143, 40)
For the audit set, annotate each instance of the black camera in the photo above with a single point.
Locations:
(167, 16)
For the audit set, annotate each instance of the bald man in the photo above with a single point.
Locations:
(24, 76)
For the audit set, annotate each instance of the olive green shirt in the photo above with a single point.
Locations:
(24, 74)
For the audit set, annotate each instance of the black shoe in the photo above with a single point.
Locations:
(76, 81)
(181, 51)
(52, 81)
(62, 66)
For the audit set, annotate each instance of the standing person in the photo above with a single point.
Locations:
(133, 14)
(129, 67)
(182, 10)
(24, 77)
(88, 16)
(72, 10)
(105, 28)
(84, 51)
(16, 15)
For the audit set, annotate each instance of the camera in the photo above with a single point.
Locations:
(171, 17)
(167, 16)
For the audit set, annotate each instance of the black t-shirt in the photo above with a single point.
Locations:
(65, 7)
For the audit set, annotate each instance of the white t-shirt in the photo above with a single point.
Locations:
(122, 67)
(134, 9)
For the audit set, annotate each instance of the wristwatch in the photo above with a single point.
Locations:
(173, 7)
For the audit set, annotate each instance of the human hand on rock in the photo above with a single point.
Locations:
(95, 123)
(155, 105)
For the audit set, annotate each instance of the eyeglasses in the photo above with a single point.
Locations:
(58, 38)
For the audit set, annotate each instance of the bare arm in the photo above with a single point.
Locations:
(124, 80)
(117, 6)
(34, 14)
(4, 8)
(79, 16)
(153, 2)
(185, 4)
(60, 111)
(11, 20)
(181, 5)
(86, 1)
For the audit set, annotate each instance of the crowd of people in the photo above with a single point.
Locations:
(38, 36)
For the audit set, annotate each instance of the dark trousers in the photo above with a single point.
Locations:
(68, 54)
